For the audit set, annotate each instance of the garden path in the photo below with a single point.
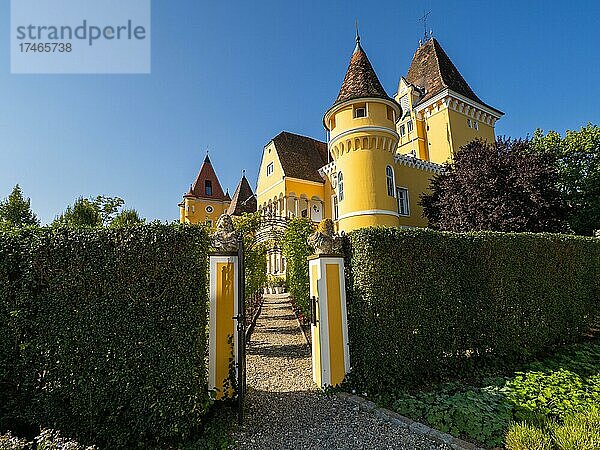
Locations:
(285, 410)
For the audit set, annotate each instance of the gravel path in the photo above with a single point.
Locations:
(285, 410)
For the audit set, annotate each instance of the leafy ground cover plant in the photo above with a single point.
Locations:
(554, 396)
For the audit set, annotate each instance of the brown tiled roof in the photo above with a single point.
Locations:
(243, 200)
(361, 80)
(300, 156)
(433, 71)
(206, 173)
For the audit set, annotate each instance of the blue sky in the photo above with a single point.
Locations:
(231, 75)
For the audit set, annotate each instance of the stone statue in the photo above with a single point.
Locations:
(325, 240)
(225, 238)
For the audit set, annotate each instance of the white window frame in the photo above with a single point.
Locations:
(335, 207)
(469, 123)
(340, 187)
(355, 108)
(409, 126)
(406, 202)
(476, 125)
(270, 168)
(402, 130)
(390, 181)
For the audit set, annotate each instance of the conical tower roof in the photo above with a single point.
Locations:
(361, 80)
(243, 200)
(432, 71)
(198, 188)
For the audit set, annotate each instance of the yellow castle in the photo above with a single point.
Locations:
(205, 201)
(380, 154)
(381, 151)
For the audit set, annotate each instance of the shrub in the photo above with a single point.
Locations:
(105, 332)
(522, 436)
(255, 260)
(481, 414)
(552, 395)
(52, 440)
(426, 305)
(46, 440)
(579, 431)
(296, 251)
(10, 442)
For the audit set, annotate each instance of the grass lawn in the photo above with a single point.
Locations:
(552, 403)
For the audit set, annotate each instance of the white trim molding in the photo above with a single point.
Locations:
(328, 169)
(316, 183)
(365, 129)
(446, 97)
(411, 161)
(370, 212)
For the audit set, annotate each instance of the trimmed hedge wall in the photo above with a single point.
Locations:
(424, 305)
(296, 251)
(103, 332)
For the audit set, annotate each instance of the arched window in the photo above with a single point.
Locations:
(340, 182)
(208, 187)
(389, 177)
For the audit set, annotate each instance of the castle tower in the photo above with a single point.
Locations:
(440, 111)
(363, 141)
(205, 201)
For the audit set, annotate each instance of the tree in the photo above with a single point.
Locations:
(127, 218)
(108, 207)
(16, 210)
(83, 213)
(578, 162)
(497, 187)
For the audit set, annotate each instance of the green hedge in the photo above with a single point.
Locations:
(424, 305)
(255, 253)
(103, 332)
(296, 251)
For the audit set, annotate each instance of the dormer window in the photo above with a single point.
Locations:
(360, 111)
(208, 187)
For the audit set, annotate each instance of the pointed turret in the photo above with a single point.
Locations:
(432, 71)
(244, 200)
(361, 80)
(362, 142)
(205, 201)
(207, 183)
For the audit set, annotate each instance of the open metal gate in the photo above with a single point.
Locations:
(241, 332)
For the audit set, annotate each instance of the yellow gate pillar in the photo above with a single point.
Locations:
(329, 329)
(223, 338)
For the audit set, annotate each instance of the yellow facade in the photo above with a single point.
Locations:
(363, 148)
(282, 196)
(205, 202)
(200, 210)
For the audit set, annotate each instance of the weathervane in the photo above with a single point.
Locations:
(424, 20)
(357, 35)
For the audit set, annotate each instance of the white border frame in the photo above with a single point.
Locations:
(212, 324)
